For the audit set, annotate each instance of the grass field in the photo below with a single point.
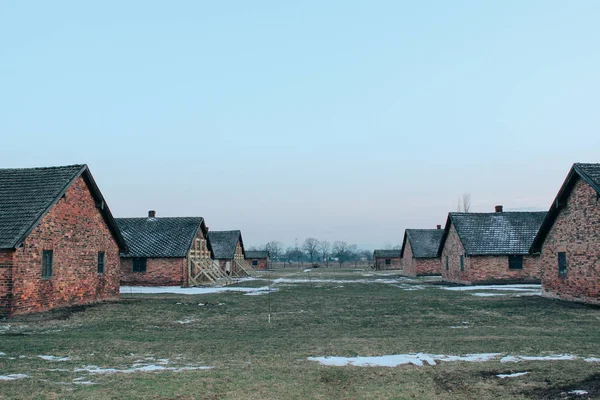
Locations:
(160, 343)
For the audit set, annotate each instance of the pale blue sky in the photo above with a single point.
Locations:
(342, 120)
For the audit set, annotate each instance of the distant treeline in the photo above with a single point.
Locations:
(314, 250)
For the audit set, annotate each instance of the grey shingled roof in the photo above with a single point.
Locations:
(424, 243)
(495, 233)
(159, 237)
(386, 253)
(224, 243)
(590, 173)
(27, 194)
(257, 254)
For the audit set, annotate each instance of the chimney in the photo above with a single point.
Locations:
(439, 227)
(151, 214)
(499, 209)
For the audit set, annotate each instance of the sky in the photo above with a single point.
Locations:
(339, 120)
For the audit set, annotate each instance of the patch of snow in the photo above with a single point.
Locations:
(54, 358)
(556, 357)
(2, 354)
(591, 359)
(95, 370)
(459, 327)
(84, 383)
(578, 392)
(516, 288)
(260, 292)
(487, 294)
(13, 377)
(308, 270)
(185, 321)
(337, 281)
(186, 291)
(418, 359)
(503, 376)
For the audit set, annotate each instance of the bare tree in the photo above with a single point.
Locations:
(311, 246)
(464, 203)
(341, 252)
(324, 248)
(275, 249)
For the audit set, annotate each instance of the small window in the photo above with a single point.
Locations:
(562, 264)
(515, 262)
(462, 263)
(47, 256)
(447, 264)
(101, 258)
(139, 264)
(388, 261)
(254, 263)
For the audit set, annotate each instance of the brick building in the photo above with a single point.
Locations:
(569, 239)
(387, 259)
(228, 248)
(258, 259)
(490, 247)
(420, 251)
(166, 251)
(59, 243)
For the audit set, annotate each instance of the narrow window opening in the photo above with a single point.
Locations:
(562, 264)
(101, 259)
(462, 263)
(47, 258)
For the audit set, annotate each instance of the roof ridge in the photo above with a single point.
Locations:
(45, 168)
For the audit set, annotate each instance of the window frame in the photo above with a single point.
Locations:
(562, 266)
(462, 262)
(516, 258)
(254, 263)
(47, 263)
(101, 262)
(447, 263)
(388, 261)
(136, 262)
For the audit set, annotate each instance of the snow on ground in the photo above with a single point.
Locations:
(185, 321)
(503, 376)
(421, 359)
(95, 370)
(516, 288)
(188, 291)
(13, 377)
(591, 359)
(54, 358)
(556, 357)
(337, 281)
(418, 359)
(578, 392)
(2, 354)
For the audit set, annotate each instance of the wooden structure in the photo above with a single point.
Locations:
(228, 250)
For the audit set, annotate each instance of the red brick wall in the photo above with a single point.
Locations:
(263, 263)
(419, 266)
(453, 249)
(576, 231)
(408, 262)
(481, 269)
(6, 263)
(380, 263)
(159, 272)
(495, 269)
(76, 231)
